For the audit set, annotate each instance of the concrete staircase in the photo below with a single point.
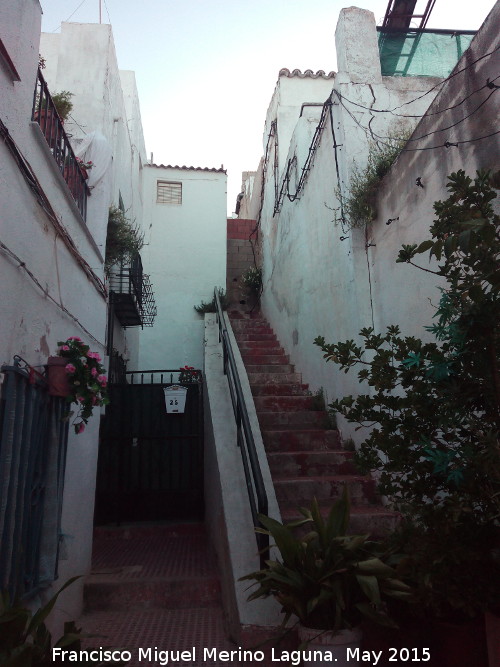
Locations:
(305, 455)
(154, 586)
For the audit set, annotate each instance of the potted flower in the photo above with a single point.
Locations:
(85, 379)
(189, 374)
(84, 166)
(327, 579)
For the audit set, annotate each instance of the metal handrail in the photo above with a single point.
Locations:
(253, 474)
(45, 114)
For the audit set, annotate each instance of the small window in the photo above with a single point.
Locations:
(168, 192)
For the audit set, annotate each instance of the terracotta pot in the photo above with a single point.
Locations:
(460, 644)
(335, 648)
(57, 377)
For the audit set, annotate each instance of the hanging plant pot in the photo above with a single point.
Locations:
(57, 377)
(332, 646)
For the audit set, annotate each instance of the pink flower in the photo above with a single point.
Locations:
(79, 428)
(103, 380)
(70, 368)
(94, 372)
(94, 355)
(75, 338)
(64, 348)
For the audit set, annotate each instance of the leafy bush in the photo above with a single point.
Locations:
(251, 280)
(209, 307)
(434, 408)
(359, 204)
(123, 239)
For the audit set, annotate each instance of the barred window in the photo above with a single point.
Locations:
(168, 192)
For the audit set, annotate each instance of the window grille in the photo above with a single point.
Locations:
(33, 440)
(168, 192)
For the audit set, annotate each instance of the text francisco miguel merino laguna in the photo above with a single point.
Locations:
(155, 655)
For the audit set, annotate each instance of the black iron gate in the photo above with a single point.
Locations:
(150, 464)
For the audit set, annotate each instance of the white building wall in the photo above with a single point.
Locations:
(105, 100)
(185, 257)
(314, 282)
(46, 296)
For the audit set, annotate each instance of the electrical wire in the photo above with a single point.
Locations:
(488, 84)
(72, 14)
(45, 291)
(423, 136)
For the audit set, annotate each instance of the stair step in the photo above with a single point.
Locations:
(246, 336)
(283, 403)
(291, 420)
(373, 520)
(269, 368)
(102, 593)
(281, 440)
(299, 491)
(257, 358)
(250, 345)
(313, 463)
(272, 378)
(279, 389)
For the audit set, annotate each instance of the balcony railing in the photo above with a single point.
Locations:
(45, 114)
(131, 295)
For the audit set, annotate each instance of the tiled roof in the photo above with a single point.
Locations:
(307, 73)
(171, 166)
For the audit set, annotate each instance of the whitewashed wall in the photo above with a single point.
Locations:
(31, 323)
(314, 282)
(185, 258)
(105, 99)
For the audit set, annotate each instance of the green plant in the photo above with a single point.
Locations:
(123, 239)
(189, 374)
(63, 104)
(434, 408)
(209, 307)
(251, 280)
(87, 379)
(328, 579)
(359, 204)
(318, 400)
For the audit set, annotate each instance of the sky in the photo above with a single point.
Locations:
(206, 69)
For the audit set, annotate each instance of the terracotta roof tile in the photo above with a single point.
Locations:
(306, 73)
(171, 166)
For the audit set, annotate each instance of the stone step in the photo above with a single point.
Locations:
(260, 347)
(299, 491)
(313, 463)
(280, 389)
(100, 593)
(297, 440)
(257, 357)
(251, 326)
(373, 520)
(269, 368)
(283, 403)
(245, 336)
(272, 378)
(300, 419)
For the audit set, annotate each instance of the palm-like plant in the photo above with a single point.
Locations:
(329, 580)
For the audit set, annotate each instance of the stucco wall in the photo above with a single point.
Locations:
(64, 302)
(320, 278)
(185, 257)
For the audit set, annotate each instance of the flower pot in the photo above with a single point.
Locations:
(57, 377)
(337, 648)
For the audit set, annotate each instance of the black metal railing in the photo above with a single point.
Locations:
(253, 474)
(45, 114)
(132, 294)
